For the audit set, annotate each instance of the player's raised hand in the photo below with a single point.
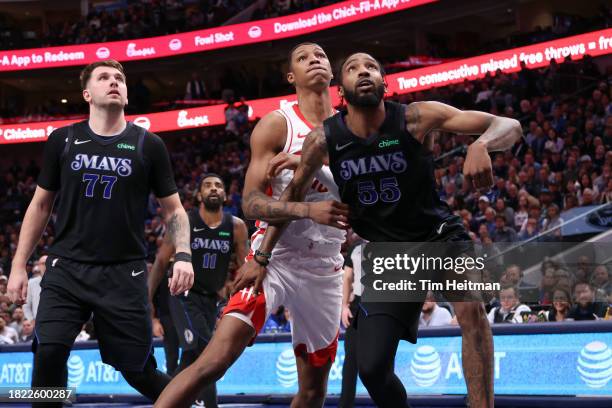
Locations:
(249, 274)
(281, 162)
(182, 277)
(332, 213)
(477, 168)
(17, 288)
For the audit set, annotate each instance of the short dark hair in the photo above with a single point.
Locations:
(339, 69)
(295, 47)
(209, 175)
(86, 72)
(510, 286)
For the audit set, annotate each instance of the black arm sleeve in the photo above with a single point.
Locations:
(49, 177)
(160, 170)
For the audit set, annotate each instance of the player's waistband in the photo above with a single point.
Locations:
(306, 247)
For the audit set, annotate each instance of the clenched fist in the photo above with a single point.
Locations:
(477, 168)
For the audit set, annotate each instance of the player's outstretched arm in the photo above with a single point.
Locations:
(496, 133)
(177, 223)
(34, 223)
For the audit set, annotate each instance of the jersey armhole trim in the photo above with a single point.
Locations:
(140, 145)
(69, 140)
(289, 135)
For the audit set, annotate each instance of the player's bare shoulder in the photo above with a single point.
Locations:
(270, 132)
(413, 119)
(423, 117)
(238, 223)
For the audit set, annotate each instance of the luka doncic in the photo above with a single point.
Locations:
(102, 171)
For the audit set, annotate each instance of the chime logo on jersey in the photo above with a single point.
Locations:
(216, 244)
(395, 162)
(122, 167)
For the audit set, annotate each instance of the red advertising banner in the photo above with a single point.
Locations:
(539, 55)
(205, 40)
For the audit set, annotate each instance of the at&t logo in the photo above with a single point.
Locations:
(426, 366)
(286, 369)
(595, 364)
(76, 371)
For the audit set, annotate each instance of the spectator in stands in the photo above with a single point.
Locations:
(489, 220)
(547, 285)
(483, 204)
(584, 269)
(601, 281)
(552, 223)
(510, 309)
(8, 335)
(530, 229)
(521, 214)
(453, 176)
(432, 314)
(587, 197)
(3, 283)
(31, 306)
(196, 89)
(585, 307)
(564, 278)
(27, 332)
(501, 233)
(502, 209)
(561, 305)
(17, 320)
(278, 322)
(514, 276)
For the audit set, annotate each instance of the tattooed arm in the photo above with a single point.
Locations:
(314, 154)
(177, 224)
(496, 133)
(267, 140)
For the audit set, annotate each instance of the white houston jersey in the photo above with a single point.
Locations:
(323, 188)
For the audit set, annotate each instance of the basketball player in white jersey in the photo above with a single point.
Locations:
(305, 273)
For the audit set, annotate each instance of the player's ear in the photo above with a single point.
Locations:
(291, 78)
(386, 86)
(199, 197)
(86, 95)
(340, 91)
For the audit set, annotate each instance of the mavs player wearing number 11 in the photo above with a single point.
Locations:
(215, 235)
(380, 156)
(104, 169)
